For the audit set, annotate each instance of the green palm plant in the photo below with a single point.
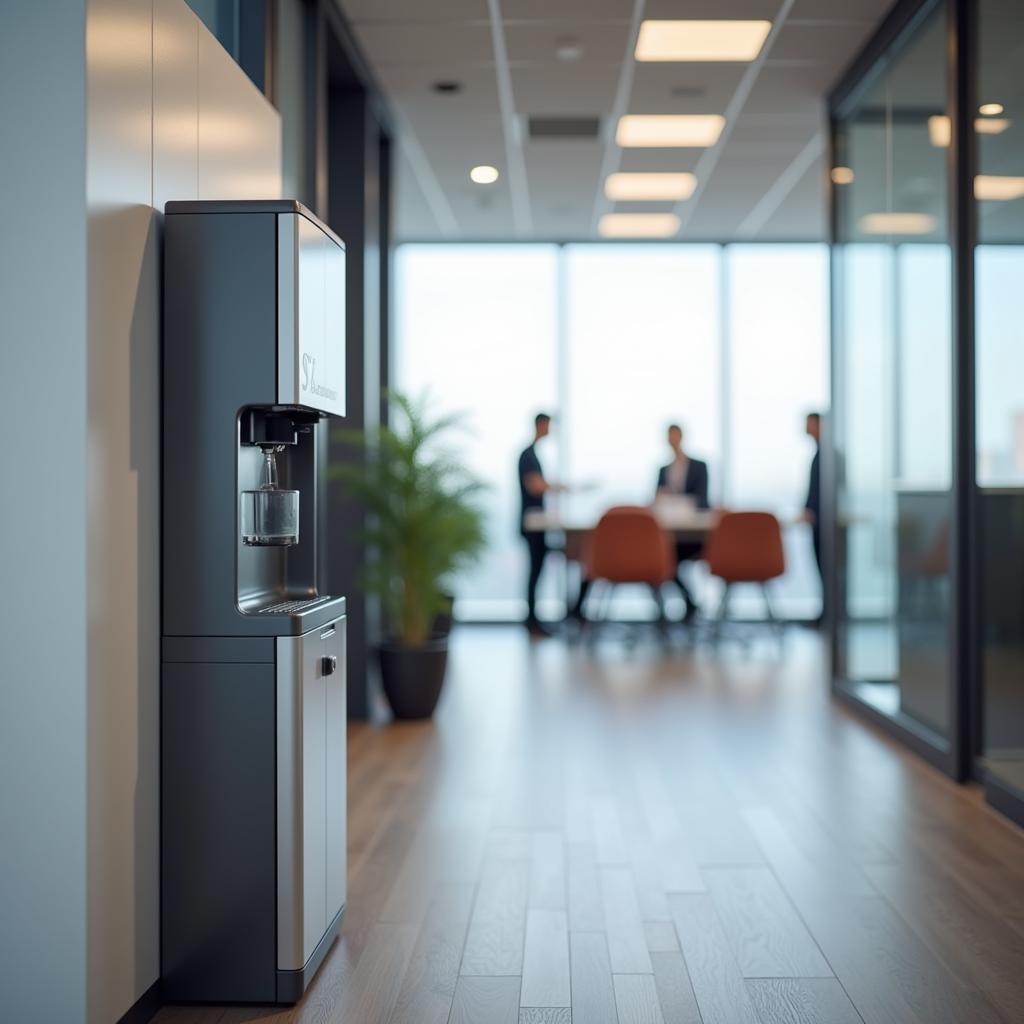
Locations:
(423, 522)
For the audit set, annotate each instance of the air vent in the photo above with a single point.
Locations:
(564, 127)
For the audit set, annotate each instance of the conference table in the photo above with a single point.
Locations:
(681, 519)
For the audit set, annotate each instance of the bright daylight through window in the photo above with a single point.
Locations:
(620, 340)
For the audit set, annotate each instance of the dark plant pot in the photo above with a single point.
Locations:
(413, 677)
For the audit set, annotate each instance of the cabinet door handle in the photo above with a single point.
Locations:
(328, 664)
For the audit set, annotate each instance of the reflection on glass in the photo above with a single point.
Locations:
(893, 292)
(999, 400)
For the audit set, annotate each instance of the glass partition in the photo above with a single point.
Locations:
(893, 277)
(999, 382)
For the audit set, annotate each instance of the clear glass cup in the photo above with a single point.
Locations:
(270, 515)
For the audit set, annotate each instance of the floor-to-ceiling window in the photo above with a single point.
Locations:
(620, 340)
(892, 274)
(477, 335)
(999, 384)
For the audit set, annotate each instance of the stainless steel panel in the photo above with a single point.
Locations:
(287, 297)
(311, 317)
(337, 715)
(307, 701)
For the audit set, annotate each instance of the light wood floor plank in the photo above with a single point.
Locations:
(593, 994)
(887, 971)
(546, 959)
(661, 936)
(766, 934)
(636, 999)
(586, 910)
(429, 983)
(627, 942)
(675, 992)
(716, 978)
(802, 1001)
(494, 945)
(547, 872)
(374, 984)
(485, 1001)
(609, 842)
(545, 1015)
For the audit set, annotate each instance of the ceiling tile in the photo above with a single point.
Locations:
(404, 11)
(424, 43)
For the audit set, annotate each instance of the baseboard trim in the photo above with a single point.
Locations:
(1005, 798)
(145, 1008)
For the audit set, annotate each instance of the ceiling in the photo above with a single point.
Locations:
(764, 179)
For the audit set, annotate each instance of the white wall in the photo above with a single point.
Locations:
(170, 116)
(42, 513)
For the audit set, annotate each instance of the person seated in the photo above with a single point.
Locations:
(684, 476)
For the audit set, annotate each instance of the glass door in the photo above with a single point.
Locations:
(894, 397)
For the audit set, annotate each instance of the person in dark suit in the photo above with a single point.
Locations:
(812, 506)
(688, 476)
(532, 489)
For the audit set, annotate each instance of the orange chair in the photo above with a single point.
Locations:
(746, 547)
(629, 545)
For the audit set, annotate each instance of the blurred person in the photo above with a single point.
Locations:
(684, 476)
(532, 489)
(812, 506)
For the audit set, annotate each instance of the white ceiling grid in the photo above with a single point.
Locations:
(763, 180)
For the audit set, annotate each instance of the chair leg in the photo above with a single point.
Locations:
(770, 608)
(659, 600)
(600, 603)
(722, 612)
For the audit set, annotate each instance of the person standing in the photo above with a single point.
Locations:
(532, 489)
(812, 506)
(687, 476)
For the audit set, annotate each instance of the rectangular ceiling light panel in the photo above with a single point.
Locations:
(669, 130)
(638, 225)
(629, 187)
(940, 128)
(998, 187)
(701, 40)
(898, 224)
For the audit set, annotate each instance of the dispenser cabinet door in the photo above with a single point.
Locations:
(311, 784)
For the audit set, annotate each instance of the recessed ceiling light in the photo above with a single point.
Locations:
(627, 187)
(701, 40)
(898, 224)
(990, 109)
(672, 130)
(638, 225)
(484, 174)
(998, 186)
(991, 125)
(842, 175)
(940, 129)
(568, 48)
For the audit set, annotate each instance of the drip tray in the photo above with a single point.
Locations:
(290, 607)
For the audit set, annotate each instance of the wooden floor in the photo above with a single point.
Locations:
(624, 837)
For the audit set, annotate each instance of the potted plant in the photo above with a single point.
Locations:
(423, 526)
